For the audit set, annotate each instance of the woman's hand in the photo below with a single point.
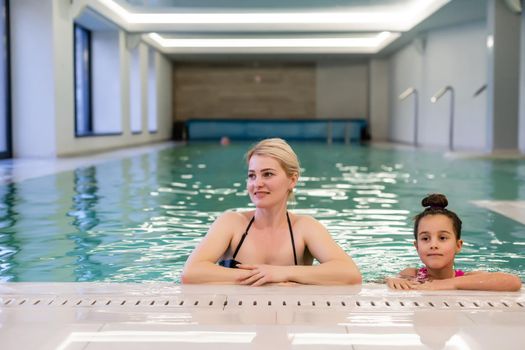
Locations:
(401, 283)
(262, 274)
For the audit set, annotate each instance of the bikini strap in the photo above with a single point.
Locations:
(291, 235)
(243, 237)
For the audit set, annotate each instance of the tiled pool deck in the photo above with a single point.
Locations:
(69, 316)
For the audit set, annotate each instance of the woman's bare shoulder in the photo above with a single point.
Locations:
(301, 219)
(306, 223)
(228, 223)
(234, 217)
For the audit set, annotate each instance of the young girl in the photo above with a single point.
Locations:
(437, 231)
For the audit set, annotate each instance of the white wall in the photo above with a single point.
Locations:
(503, 77)
(164, 95)
(152, 90)
(457, 57)
(144, 95)
(454, 56)
(522, 86)
(379, 102)
(342, 89)
(33, 69)
(135, 91)
(43, 88)
(106, 82)
(405, 69)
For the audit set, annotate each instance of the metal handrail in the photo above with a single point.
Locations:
(480, 90)
(434, 99)
(404, 95)
(329, 132)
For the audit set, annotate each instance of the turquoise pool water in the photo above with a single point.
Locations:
(138, 219)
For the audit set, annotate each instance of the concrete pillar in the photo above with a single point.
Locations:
(33, 78)
(522, 86)
(503, 38)
(379, 104)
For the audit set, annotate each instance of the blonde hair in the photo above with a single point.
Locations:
(281, 151)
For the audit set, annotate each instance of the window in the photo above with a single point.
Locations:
(135, 91)
(5, 106)
(152, 91)
(83, 112)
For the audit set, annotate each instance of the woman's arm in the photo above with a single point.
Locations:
(335, 267)
(201, 265)
(487, 281)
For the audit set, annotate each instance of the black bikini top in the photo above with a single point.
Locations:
(232, 263)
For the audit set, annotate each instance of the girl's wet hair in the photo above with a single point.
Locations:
(436, 204)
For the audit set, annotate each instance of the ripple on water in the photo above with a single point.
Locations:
(139, 219)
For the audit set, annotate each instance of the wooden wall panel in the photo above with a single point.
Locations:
(244, 91)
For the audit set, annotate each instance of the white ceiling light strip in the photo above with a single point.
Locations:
(396, 18)
(272, 42)
(386, 21)
(369, 44)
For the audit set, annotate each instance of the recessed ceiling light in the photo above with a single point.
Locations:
(400, 17)
(364, 43)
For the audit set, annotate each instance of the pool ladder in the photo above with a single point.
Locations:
(442, 92)
(403, 96)
(329, 134)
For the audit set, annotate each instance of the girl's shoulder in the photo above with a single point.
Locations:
(469, 273)
(409, 272)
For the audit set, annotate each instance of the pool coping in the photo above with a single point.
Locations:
(162, 315)
(369, 292)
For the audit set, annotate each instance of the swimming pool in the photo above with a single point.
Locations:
(137, 219)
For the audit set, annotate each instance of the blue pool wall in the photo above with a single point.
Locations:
(352, 130)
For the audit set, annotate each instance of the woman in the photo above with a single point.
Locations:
(269, 244)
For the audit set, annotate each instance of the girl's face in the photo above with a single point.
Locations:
(267, 182)
(436, 242)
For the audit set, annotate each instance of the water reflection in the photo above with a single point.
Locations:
(139, 218)
(85, 199)
(493, 240)
(85, 214)
(8, 243)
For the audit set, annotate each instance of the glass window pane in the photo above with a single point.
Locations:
(83, 115)
(5, 132)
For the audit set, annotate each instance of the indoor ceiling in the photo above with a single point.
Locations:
(267, 5)
(196, 28)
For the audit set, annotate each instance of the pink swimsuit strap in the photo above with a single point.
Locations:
(422, 274)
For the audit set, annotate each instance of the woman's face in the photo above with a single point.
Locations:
(267, 182)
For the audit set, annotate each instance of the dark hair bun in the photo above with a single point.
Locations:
(435, 200)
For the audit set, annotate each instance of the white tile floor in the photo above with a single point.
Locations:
(98, 316)
(13, 170)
